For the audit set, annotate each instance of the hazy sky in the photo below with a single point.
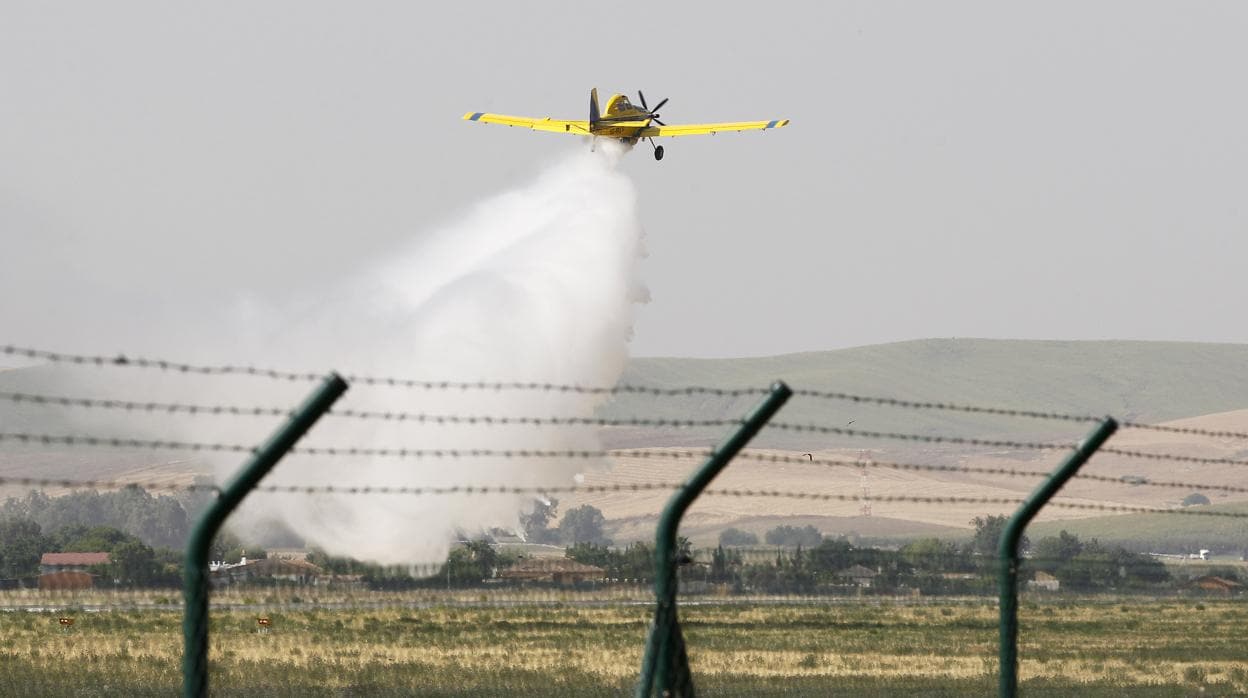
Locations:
(1065, 170)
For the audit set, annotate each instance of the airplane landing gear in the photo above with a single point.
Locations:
(658, 149)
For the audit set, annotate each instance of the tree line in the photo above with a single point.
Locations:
(930, 565)
(144, 535)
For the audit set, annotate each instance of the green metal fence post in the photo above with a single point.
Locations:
(665, 666)
(1007, 550)
(195, 575)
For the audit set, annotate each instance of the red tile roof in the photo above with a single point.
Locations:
(74, 559)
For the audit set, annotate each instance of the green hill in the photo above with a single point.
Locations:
(1139, 381)
(1159, 532)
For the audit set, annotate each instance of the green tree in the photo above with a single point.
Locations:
(831, 555)
(584, 524)
(731, 537)
(935, 555)
(158, 521)
(592, 554)
(22, 544)
(807, 536)
(719, 564)
(460, 569)
(195, 501)
(634, 562)
(536, 524)
(94, 539)
(484, 555)
(1052, 552)
(133, 564)
(684, 549)
(988, 530)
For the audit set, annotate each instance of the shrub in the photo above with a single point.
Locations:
(1195, 499)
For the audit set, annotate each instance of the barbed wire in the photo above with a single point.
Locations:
(401, 416)
(977, 470)
(1185, 430)
(945, 406)
(138, 406)
(160, 364)
(923, 438)
(118, 442)
(73, 440)
(418, 453)
(1127, 453)
(181, 367)
(489, 420)
(147, 485)
(669, 454)
(750, 456)
(383, 415)
(276, 374)
(613, 488)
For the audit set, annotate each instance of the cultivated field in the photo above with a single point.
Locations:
(1086, 647)
(633, 514)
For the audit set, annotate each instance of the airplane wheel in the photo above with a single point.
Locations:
(658, 153)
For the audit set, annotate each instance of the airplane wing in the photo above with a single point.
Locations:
(580, 128)
(701, 129)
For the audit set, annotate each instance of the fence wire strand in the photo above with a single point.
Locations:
(497, 386)
(977, 470)
(614, 488)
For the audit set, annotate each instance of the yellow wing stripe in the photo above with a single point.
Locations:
(702, 129)
(579, 128)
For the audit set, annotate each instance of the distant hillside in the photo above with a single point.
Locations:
(1140, 381)
(1163, 533)
(27, 416)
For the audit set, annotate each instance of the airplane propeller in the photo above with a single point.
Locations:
(654, 113)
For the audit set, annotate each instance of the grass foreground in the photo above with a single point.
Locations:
(1135, 648)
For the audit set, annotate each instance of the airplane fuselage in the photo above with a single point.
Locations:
(620, 119)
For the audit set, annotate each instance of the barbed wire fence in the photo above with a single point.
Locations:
(287, 598)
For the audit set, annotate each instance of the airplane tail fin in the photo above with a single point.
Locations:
(594, 114)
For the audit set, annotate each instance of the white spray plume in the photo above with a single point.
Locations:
(535, 285)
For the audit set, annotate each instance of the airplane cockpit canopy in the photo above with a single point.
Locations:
(618, 104)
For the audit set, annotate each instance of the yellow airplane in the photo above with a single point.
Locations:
(624, 121)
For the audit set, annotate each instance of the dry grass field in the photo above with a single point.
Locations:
(1136, 648)
(632, 513)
